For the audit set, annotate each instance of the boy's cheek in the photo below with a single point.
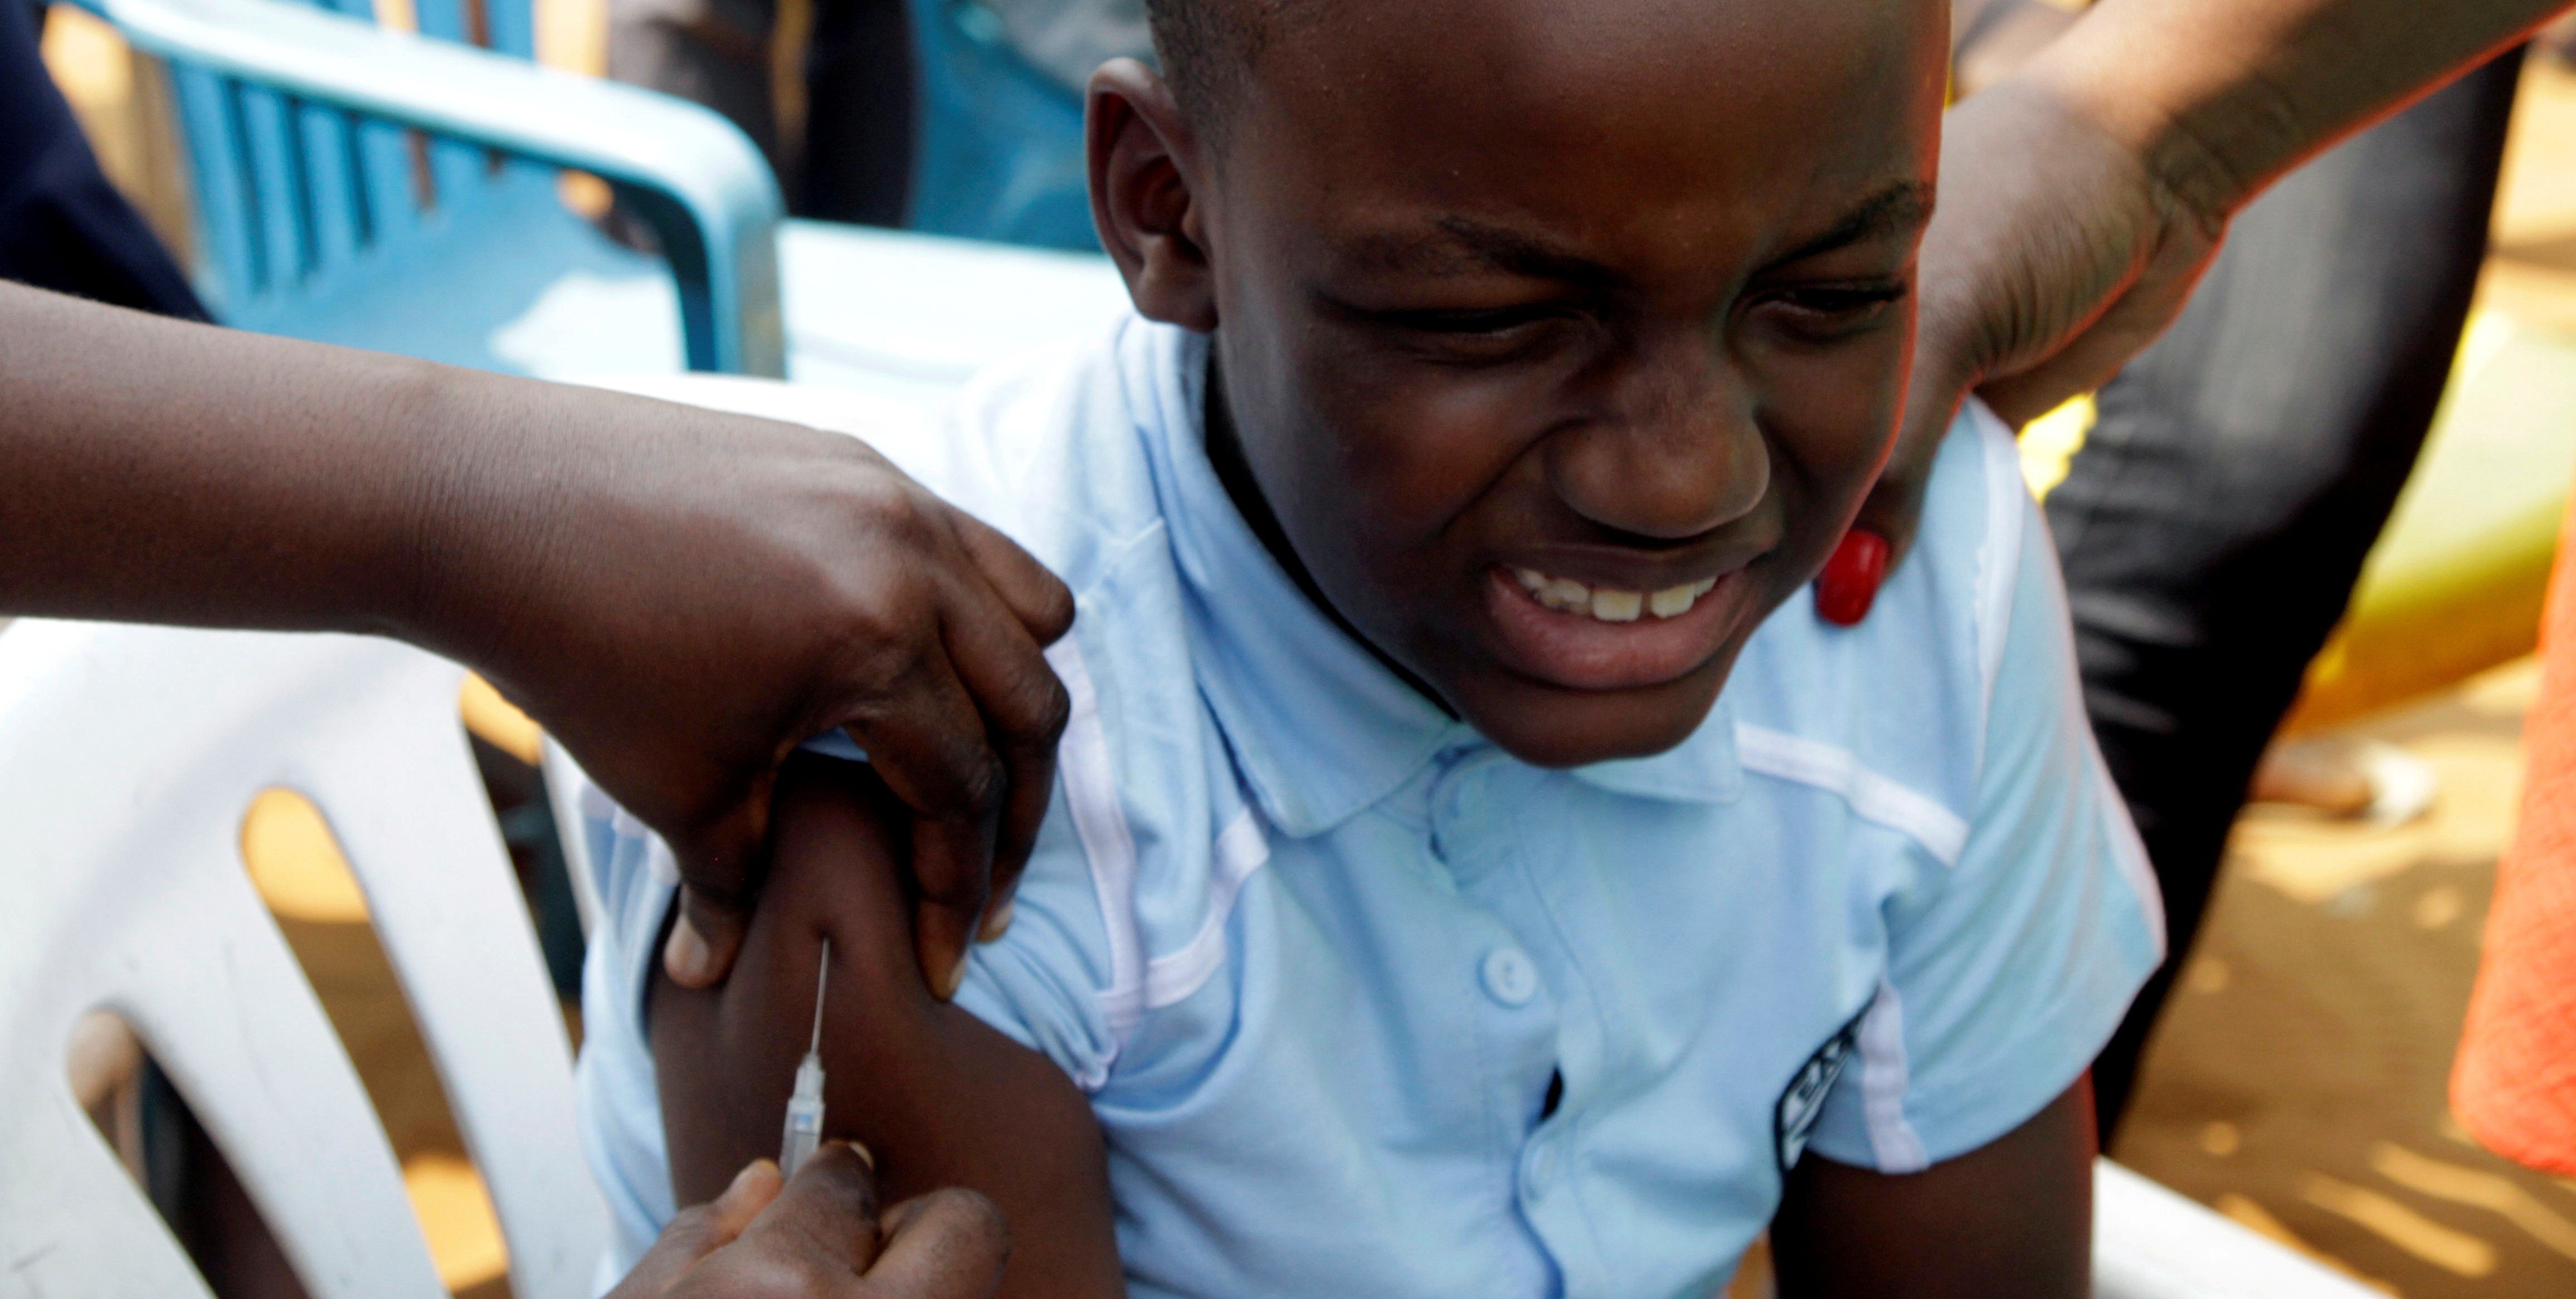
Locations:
(1833, 422)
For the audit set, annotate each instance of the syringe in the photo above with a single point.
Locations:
(805, 1108)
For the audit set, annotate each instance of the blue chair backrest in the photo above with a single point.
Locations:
(297, 202)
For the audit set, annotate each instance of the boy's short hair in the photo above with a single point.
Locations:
(1207, 47)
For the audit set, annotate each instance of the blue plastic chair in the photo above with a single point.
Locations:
(363, 186)
(374, 188)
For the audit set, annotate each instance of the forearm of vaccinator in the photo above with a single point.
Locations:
(2223, 96)
(171, 472)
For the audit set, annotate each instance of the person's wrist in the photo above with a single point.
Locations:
(2189, 173)
(467, 537)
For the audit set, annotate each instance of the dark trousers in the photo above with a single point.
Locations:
(62, 226)
(2214, 523)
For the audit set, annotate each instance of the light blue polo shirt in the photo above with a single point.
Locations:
(1317, 951)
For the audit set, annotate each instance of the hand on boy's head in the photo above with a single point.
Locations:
(819, 1237)
(767, 584)
(2056, 256)
(1553, 345)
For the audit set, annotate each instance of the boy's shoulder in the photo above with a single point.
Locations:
(1049, 447)
(1046, 446)
(1901, 701)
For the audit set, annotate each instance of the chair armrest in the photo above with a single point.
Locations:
(693, 160)
(2150, 1243)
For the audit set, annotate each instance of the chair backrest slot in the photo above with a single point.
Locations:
(133, 897)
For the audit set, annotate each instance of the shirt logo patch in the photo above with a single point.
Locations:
(1793, 1120)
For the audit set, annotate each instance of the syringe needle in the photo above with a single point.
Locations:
(822, 977)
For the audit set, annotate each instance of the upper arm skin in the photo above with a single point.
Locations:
(939, 1097)
(2012, 1218)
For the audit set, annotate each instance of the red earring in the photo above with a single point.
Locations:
(1849, 584)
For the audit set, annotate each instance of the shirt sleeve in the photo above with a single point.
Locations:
(1041, 983)
(2008, 971)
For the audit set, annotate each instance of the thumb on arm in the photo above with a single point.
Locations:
(720, 866)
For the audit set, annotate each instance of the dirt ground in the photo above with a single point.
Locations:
(2298, 1080)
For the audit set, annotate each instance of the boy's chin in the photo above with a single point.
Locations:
(1548, 726)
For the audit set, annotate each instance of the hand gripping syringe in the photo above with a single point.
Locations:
(805, 1108)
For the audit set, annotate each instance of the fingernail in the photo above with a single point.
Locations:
(956, 976)
(686, 957)
(1849, 584)
(741, 1184)
(866, 1156)
(997, 921)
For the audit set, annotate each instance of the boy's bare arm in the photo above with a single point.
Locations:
(2009, 1220)
(940, 1098)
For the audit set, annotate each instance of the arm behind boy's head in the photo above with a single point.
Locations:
(938, 1097)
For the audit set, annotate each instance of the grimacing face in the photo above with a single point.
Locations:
(1563, 340)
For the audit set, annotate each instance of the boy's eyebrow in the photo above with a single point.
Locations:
(1466, 246)
(1900, 206)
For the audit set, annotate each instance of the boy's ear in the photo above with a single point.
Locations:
(1150, 221)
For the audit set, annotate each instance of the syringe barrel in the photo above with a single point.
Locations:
(804, 1133)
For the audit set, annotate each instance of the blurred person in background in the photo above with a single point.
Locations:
(2241, 467)
(955, 117)
(62, 225)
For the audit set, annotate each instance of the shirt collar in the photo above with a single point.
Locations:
(1320, 729)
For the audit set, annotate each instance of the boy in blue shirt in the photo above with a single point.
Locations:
(1460, 879)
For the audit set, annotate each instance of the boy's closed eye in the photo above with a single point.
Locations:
(1831, 312)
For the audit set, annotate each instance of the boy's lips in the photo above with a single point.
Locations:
(1610, 646)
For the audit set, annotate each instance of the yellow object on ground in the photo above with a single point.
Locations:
(2049, 443)
(456, 1214)
(295, 862)
(2455, 584)
(499, 723)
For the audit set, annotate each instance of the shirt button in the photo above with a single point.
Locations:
(1510, 976)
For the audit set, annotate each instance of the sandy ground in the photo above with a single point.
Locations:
(2298, 1080)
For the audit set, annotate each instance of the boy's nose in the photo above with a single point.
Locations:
(1676, 453)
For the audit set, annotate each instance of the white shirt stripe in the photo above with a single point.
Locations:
(1091, 791)
(1898, 1148)
(1872, 797)
(1240, 850)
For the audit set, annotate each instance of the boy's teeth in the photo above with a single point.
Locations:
(1617, 606)
(1565, 595)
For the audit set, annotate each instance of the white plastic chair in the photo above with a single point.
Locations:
(2150, 1243)
(128, 756)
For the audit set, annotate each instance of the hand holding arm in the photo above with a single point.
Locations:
(2083, 195)
(681, 597)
